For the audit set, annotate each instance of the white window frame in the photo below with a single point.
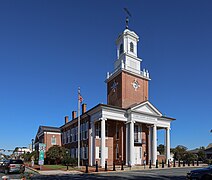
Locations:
(53, 137)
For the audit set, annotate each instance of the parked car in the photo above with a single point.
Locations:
(12, 165)
(203, 173)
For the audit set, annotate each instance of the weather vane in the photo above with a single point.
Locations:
(127, 17)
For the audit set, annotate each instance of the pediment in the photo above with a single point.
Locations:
(147, 108)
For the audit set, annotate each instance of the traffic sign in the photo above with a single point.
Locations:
(42, 148)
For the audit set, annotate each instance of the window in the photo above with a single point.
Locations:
(140, 152)
(72, 153)
(117, 132)
(16, 161)
(98, 129)
(75, 134)
(81, 149)
(81, 129)
(136, 133)
(53, 140)
(117, 151)
(84, 130)
(76, 153)
(131, 47)
(68, 136)
(106, 152)
(121, 50)
(98, 152)
(65, 137)
(85, 152)
(71, 135)
(106, 129)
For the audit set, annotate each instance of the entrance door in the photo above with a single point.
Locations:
(138, 155)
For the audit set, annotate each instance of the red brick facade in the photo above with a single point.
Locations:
(124, 95)
(48, 140)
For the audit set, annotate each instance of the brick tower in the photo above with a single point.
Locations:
(127, 84)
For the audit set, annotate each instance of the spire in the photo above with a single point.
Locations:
(127, 17)
(127, 22)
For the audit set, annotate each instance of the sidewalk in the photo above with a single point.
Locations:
(101, 170)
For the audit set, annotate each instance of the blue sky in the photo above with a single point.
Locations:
(48, 48)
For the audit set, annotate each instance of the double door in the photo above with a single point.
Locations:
(138, 155)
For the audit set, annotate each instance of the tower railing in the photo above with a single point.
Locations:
(123, 66)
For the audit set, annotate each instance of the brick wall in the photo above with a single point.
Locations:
(125, 95)
(47, 140)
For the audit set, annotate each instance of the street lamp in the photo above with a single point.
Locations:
(32, 144)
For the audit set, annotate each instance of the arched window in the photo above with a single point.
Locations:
(131, 47)
(121, 49)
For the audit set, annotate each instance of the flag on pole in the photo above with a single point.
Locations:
(80, 98)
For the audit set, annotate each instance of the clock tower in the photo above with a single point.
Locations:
(127, 84)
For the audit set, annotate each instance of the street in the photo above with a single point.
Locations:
(165, 174)
(16, 175)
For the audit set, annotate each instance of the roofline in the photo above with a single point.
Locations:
(173, 119)
(49, 127)
(147, 101)
(88, 113)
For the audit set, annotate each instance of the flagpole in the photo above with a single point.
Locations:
(78, 128)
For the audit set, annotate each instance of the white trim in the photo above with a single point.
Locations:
(102, 162)
(154, 145)
(149, 104)
(91, 153)
(131, 144)
(52, 133)
(127, 143)
(167, 144)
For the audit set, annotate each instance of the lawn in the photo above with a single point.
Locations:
(54, 167)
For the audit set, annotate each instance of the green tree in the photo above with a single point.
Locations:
(57, 155)
(15, 150)
(188, 156)
(201, 155)
(27, 156)
(179, 152)
(161, 149)
(54, 154)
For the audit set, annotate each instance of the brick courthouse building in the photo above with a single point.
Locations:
(124, 129)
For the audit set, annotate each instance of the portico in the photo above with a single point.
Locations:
(139, 126)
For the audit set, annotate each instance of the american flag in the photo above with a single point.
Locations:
(80, 98)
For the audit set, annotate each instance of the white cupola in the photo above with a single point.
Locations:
(127, 52)
(127, 56)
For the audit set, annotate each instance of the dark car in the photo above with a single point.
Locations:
(12, 165)
(203, 173)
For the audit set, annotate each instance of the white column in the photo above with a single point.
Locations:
(94, 143)
(150, 144)
(154, 145)
(102, 162)
(122, 143)
(167, 144)
(127, 142)
(91, 151)
(132, 152)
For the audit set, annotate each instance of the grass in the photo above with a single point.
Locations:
(54, 166)
(58, 167)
